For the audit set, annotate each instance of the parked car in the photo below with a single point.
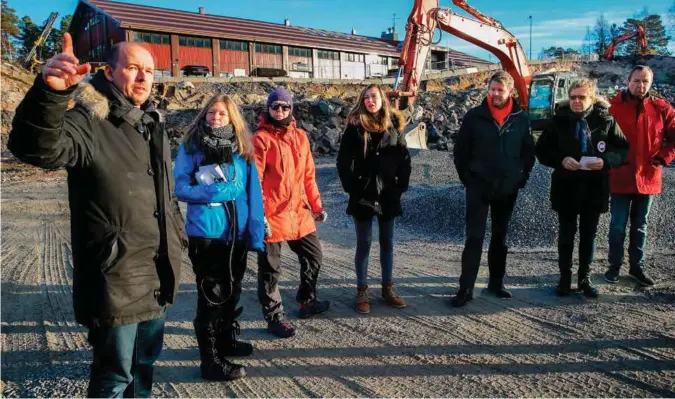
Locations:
(195, 70)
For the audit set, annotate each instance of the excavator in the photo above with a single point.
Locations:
(641, 41)
(32, 61)
(538, 94)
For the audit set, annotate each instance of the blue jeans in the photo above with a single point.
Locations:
(123, 359)
(364, 237)
(625, 206)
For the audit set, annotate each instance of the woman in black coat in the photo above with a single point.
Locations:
(582, 142)
(374, 167)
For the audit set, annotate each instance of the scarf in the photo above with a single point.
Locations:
(217, 144)
(500, 114)
(279, 122)
(581, 129)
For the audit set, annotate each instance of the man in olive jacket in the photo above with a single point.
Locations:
(494, 154)
(126, 227)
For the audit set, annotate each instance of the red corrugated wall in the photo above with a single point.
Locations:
(266, 60)
(161, 53)
(231, 60)
(196, 56)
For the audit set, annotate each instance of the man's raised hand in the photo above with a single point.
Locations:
(64, 70)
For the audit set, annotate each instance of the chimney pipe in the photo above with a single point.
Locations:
(287, 22)
(353, 31)
(201, 10)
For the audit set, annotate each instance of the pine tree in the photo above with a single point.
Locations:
(657, 38)
(10, 31)
(601, 36)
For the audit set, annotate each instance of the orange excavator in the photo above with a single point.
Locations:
(641, 42)
(485, 32)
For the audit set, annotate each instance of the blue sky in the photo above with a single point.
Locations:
(555, 23)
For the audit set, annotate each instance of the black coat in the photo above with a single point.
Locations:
(376, 181)
(126, 227)
(495, 160)
(581, 190)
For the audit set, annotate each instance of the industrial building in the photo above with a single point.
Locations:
(240, 47)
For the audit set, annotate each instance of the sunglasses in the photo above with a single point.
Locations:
(578, 98)
(276, 106)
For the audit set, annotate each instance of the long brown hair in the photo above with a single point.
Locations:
(237, 121)
(378, 123)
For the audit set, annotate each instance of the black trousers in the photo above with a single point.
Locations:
(310, 256)
(477, 207)
(588, 228)
(219, 268)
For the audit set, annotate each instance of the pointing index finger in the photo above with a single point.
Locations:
(68, 44)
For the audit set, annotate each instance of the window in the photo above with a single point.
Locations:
(329, 55)
(267, 48)
(353, 57)
(233, 45)
(383, 60)
(94, 20)
(299, 52)
(155, 38)
(188, 41)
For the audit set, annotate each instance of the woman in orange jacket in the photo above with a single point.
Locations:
(292, 205)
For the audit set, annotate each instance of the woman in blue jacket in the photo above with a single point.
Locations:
(216, 176)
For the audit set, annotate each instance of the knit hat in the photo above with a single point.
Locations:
(280, 94)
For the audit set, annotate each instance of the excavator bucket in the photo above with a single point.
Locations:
(416, 136)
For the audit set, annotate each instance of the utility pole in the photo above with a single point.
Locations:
(530, 37)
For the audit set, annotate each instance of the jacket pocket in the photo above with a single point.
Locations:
(112, 250)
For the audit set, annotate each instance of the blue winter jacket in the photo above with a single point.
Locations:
(207, 217)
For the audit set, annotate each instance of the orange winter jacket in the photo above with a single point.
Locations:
(287, 176)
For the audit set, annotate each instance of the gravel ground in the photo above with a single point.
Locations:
(620, 345)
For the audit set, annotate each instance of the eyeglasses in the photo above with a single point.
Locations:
(276, 106)
(578, 98)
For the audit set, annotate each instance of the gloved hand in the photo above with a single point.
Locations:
(224, 191)
(321, 216)
(268, 228)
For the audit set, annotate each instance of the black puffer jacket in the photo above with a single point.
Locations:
(376, 181)
(126, 228)
(581, 190)
(495, 160)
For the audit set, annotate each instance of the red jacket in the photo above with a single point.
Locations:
(287, 176)
(649, 126)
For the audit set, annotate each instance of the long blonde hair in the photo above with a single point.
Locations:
(241, 131)
(360, 116)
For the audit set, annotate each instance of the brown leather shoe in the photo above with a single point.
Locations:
(362, 300)
(390, 297)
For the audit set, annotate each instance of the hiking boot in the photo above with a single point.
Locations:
(362, 300)
(280, 327)
(499, 290)
(638, 274)
(213, 367)
(390, 297)
(312, 307)
(564, 287)
(612, 274)
(587, 289)
(228, 345)
(461, 298)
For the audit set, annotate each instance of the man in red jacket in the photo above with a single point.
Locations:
(649, 125)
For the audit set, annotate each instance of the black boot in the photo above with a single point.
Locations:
(565, 285)
(584, 282)
(638, 274)
(462, 298)
(227, 342)
(213, 367)
(497, 288)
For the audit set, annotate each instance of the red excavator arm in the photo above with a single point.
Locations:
(641, 42)
(483, 31)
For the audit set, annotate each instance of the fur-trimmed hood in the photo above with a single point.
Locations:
(92, 100)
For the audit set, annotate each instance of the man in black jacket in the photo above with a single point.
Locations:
(494, 154)
(126, 227)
